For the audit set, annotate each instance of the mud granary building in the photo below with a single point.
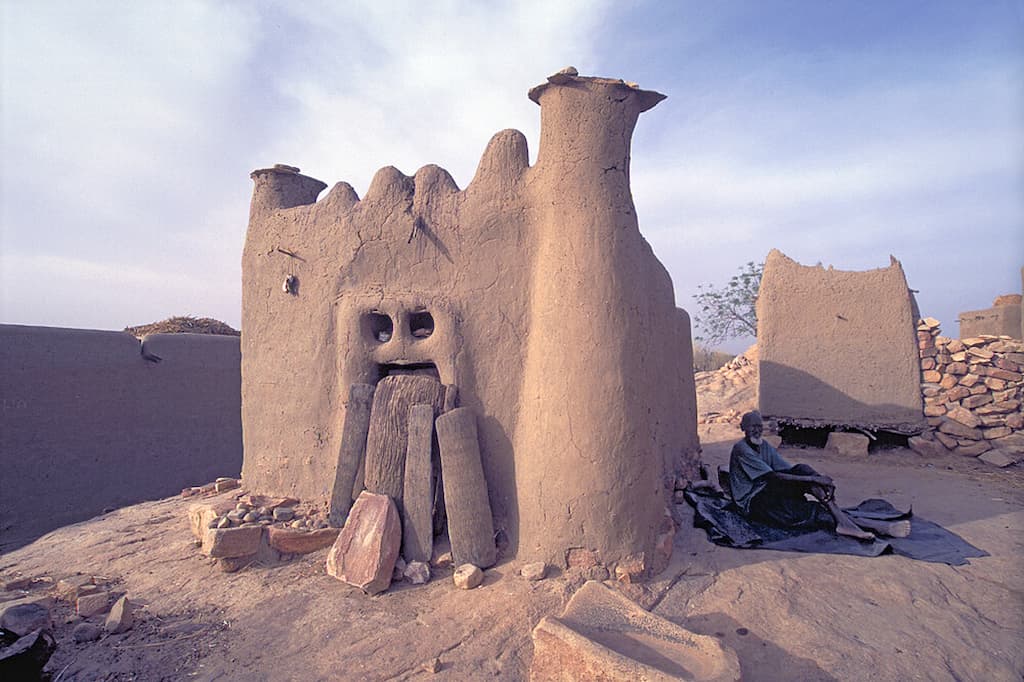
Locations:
(531, 290)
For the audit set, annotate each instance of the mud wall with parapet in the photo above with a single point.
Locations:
(838, 348)
(1002, 319)
(550, 313)
(89, 423)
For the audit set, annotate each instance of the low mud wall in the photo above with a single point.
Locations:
(92, 420)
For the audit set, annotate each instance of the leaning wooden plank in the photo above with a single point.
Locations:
(470, 526)
(388, 435)
(418, 486)
(350, 451)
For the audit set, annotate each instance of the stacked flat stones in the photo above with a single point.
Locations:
(972, 391)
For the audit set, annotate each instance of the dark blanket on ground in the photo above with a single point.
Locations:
(927, 541)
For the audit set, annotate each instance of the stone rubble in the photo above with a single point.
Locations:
(467, 576)
(534, 571)
(121, 617)
(972, 390)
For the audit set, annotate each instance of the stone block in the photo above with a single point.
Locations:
(996, 432)
(1000, 458)
(979, 389)
(947, 441)
(963, 416)
(848, 443)
(995, 384)
(1013, 443)
(954, 345)
(534, 571)
(417, 572)
(948, 381)
(958, 368)
(970, 402)
(931, 376)
(22, 619)
(602, 635)
(467, 576)
(1004, 374)
(121, 617)
(973, 448)
(1003, 407)
(92, 604)
(225, 543)
(959, 430)
(294, 541)
(366, 550)
(927, 363)
(201, 514)
(1015, 421)
(927, 448)
(969, 379)
(934, 410)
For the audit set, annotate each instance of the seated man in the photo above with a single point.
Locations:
(770, 490)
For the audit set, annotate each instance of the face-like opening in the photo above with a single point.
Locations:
(381, 326)
(421, 324)
(428, 369)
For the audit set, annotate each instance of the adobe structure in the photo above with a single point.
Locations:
(1004, 318)
(838, 349)
(531, 293)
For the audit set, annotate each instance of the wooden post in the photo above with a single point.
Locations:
(350, 451)
(418, 486)
(470, 526)
(388, 436)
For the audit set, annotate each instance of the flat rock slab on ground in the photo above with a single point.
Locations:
(365, 552)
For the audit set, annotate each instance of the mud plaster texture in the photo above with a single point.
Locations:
(999, 320)
(88, 423)
(838, 348)
(550, 313)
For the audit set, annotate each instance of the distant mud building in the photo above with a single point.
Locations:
(838, 349)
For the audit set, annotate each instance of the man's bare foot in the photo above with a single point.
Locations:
(894, 529)
(853, 531)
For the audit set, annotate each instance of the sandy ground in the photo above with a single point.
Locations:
(788, 616)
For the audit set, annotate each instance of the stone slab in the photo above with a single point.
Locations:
(365, 552)
(226, 543)
(294, 541)
(602, 635)
(852, 444)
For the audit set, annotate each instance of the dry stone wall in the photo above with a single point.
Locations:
(972, 390)
(98, 419)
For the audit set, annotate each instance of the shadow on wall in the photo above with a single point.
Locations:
(93, 420)
(812, 402)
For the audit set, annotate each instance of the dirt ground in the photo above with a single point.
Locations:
(788, 616)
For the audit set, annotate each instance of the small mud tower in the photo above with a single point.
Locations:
(532, 291)
(838, 348)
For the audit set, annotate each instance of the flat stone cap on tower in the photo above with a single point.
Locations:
(569, 76)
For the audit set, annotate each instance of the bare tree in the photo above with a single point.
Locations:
(729, 312)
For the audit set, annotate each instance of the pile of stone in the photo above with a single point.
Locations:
(972, 391)
(26, 618)
(724, 394)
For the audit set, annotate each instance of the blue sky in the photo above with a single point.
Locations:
(838, 132)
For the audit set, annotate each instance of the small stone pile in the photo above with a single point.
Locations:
(724, 394)
(972, 391)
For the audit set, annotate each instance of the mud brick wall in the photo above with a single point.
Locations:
(1002, 319)
(837, 347)
(972, 389)
(546, 307)
(88, 422)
